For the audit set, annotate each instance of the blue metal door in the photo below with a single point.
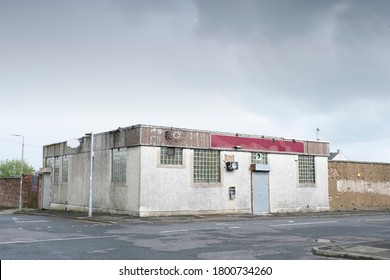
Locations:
(260, 186)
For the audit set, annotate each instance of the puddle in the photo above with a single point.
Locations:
(324, 240)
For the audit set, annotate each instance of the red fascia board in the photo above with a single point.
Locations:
(257, 144)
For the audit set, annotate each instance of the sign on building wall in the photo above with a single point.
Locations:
(257, 144)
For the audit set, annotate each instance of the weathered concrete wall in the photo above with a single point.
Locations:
(107, 196)
(72, 195)
(165, 136)
(359, 185)
(287, 195)
(147, 135)
(116, 197)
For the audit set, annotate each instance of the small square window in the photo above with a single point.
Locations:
(259, 158)
(171, 156)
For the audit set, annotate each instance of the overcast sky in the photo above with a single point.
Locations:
(279, 68)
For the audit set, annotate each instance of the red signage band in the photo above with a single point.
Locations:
(257, 144)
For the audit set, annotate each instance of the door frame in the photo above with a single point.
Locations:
(46, 187)
(256, 168)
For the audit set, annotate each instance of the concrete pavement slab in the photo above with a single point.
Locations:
(374, 250)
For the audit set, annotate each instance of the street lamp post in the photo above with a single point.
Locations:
(90, 176)
(21, 173)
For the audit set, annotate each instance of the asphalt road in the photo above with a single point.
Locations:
(25, 237)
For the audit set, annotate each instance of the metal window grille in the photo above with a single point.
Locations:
(64, 169)
(306, 167)
(259, 158)
(56, 169)
(173, 156)
(119, 165)
(207, 166)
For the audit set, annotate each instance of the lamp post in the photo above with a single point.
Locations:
(90, 176)
(21, 173)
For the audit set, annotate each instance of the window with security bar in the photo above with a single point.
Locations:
(306, 168)
(207, 168)
(119, 165)
(171, 156)
(259, 158)
(64, 169)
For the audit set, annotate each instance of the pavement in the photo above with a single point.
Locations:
(373, 250)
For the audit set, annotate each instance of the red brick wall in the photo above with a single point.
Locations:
(9, 192)
(39, 200)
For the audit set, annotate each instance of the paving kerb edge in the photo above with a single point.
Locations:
(327, 252)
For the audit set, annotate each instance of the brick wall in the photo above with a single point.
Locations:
(9, 192)
(359, 186)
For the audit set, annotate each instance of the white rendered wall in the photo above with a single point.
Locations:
(169, 190)
(287, 195)
(155, 189)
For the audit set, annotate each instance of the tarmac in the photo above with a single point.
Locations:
(373, 250)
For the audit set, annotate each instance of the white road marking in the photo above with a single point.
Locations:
(28, 222)
(16, 220)
(56, 239)
(225, 224)
(303, 224)
(102, 251)
(376, 220)
(176, 230)
(198, 229)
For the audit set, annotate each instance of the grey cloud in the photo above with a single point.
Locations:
(309, 59)
(272, 21)
(316, 51)
(134, 10)
(279, 20)
(359, 21)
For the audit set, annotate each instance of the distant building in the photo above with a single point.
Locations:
(338, 156)
(149, 170)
